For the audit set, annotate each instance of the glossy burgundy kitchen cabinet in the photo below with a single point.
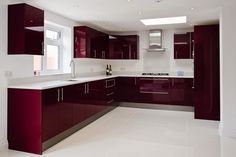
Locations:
(181, 91)
(183, 46)
(90, 43)
(128, 89)
(57, 110)
(124, 47)
(206, 72)
(25, 120)
(154, 90)
(25, 30)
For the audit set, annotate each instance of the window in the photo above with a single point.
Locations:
(51, 62)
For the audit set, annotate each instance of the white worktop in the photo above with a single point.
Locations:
(65, 82)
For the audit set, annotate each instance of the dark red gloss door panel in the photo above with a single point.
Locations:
(50, 113)
(181, 91)
(128, 89)
(206, 72)
(25, 29)
(24, 120)
(154, 90)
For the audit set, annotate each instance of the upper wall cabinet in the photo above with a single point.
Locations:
(90, 43)
(183, 46)
(25, 30)
(124, 47)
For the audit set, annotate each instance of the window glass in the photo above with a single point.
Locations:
(52, 35)
(52, 57)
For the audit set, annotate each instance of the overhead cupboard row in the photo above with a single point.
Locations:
(90, 43)
(26, 36)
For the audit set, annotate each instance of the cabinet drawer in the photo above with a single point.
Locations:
(110, 83)
(155, 97)
(154, 86)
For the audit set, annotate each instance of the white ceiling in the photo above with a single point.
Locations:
(121, 15)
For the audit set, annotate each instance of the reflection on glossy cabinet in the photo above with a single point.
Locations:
(183, 46)
(25, 29)
(124, 47)
(154, 90)
(181, 91)
(90, 43)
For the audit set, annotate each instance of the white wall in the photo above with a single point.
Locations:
(18, 66)
(228, 72)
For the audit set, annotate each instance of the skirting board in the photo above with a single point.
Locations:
(157, 106)
(3, 145)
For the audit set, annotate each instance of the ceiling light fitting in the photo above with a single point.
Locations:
(164, 21)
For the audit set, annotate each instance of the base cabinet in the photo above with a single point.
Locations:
(181, 91)
(154, 90)
(38, 116)
(128, 89)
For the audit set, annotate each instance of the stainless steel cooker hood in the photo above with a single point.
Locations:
(155, 41)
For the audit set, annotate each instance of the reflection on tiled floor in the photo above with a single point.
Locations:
(129, 132)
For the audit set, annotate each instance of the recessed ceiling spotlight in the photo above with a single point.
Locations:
(164, 21)
(157, 1)
(129, 0)
(192, 8)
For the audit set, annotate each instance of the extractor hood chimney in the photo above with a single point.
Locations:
(155, 41)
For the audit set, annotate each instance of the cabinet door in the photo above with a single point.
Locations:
(34, 30)
(128, 89)
(66, 108)
(181, 91)
(50, 113)
(25, 29)
(80, 100)
(133, 46)
(182, 48)
(96, 96)
(116, 49)
(206, 72)
(154, 90)
(80, 42)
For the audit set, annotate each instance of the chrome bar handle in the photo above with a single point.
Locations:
(154, 79)
(147, 92)
(58, 95)
(111, 101)
(62, 94)
(85, 88)
(110, 94)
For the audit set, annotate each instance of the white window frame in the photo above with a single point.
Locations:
(59, 43)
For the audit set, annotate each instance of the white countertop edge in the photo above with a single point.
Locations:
(61, 83)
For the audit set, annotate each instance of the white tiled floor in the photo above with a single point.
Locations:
(129, 132)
